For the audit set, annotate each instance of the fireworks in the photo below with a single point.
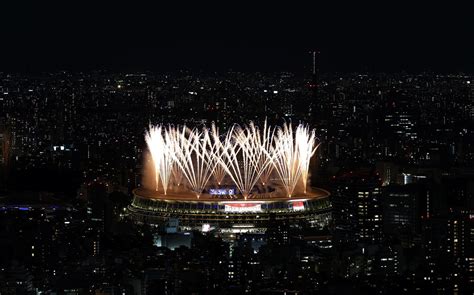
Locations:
(287, 160)
(190, 150)
(266, 145)
(305, 141)
(219, 170)
(248, 156)
(159, 144)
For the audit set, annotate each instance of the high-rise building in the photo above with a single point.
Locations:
(277, 232)
(357, 207)
(460, 247)
(401, 214)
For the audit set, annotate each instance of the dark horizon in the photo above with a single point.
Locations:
(228, 59)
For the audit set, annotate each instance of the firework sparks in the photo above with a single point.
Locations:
(305, 141)
(159, 144)
(177, 174)
(191, 153)
(245, 154)
(286, 158)
(217, 151)
(266, 159)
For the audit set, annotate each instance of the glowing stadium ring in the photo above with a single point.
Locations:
(151, 207)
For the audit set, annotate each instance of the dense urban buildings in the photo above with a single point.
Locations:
(396, 160)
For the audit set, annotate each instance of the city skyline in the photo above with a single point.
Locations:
(233, 149)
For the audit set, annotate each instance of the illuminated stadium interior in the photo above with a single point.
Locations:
(244, 177)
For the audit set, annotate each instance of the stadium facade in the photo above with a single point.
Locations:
(228, 214)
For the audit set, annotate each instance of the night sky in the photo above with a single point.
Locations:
(272, 37)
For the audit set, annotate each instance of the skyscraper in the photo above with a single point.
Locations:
(401, 212)
(357, 207)
(461, 247)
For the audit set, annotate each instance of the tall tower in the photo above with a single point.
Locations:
(314, 110)
(471, 94)
(314, 54)
(314, 71)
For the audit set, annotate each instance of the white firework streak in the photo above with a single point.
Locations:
(257, 144)
(266, 158)
(230, 160)
(217, 151)
(177, 174)
(151, 139)
(159, 146)
(167, 161)
(305, 140)
(286, 158)
(244, 159)
(245, 154)
(191, 154)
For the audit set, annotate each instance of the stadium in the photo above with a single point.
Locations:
(239, 181)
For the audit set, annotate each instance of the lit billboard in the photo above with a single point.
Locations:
(243, 207)
(222, 191)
